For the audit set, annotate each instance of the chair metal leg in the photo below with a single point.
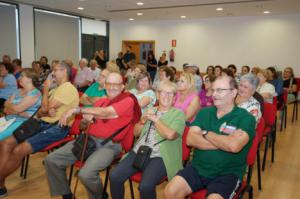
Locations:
(26, 166)
(265, 153)
(106, 181)
(297, 110)
(250, 192)
(281, 119)
(294, 111)
(285, 115)
(273, 145)
(131, 189)
(22, 167)
(258, 169)
(71, 174)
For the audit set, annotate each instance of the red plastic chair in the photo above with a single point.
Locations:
(74, 131)
(270, 118)
(137, 177)
(246, 183)
(283, 110)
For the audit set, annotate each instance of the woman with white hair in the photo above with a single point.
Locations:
(264, 88)
(244, 99)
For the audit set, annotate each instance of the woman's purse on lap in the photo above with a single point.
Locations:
(27, 129)
(142, 157)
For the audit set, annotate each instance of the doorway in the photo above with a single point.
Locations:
(140, 49)
(91, 43)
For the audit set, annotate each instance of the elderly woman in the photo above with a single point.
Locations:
(244, 99)
(186, 98)
(290, 84)
(206, 94)
(145, 96)
(84, 76)
(264, 88)
(22, 104)
(161, 129)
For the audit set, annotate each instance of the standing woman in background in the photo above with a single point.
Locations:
(151, 65)
(163, 60)
(290, 84)
(100, 58)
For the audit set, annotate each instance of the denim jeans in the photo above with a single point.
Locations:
(152, 175)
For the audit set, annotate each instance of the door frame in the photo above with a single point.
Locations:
(125, 42)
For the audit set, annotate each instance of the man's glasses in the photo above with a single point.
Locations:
(112, 85)
(221, 90)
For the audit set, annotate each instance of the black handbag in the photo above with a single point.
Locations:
(144, 153)
(78, 146)
(142, 157)
(27, 129)
(82, 152)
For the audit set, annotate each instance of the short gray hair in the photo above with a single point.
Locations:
(84, 60)
(252, 79)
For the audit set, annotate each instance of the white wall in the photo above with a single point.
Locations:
(26, 34)
(260, 41)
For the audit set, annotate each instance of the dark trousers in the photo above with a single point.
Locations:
(153, 173)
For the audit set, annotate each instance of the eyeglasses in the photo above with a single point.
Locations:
(112, 85)
(221, 90)
(166, 93)
(206, 81)
(180, 81)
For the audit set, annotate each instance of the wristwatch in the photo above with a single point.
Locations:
(204, 133)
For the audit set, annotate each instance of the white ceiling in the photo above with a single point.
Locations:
(167, 9)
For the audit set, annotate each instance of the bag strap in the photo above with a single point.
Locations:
(113, 135)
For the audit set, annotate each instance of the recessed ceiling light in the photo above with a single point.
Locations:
(80, 8)
(219, 9)
(131, 19)
(139, 14)
(139, 3)
(182, 17)
(81, 0)
(267, 12)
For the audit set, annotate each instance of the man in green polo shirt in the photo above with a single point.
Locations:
(222, 136)
(95, 91)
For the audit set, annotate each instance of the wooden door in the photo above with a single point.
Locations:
(136, 47)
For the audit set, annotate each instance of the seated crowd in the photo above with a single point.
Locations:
(120, 100)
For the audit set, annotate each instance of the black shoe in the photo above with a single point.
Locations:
(105, 195)
(3, 192)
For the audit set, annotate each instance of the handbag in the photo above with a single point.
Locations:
(144, 153)
(82, 152)
(27, 129)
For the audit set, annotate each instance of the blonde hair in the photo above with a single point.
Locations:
(190, 80)
(264, 73)
(167, 84)
(142, 67)
(111, 66)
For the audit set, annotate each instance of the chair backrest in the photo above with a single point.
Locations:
(269, 113)
(260, 129)
(298, 84)
(185, 149)
(74, 130)
(252, 151)
(275, 101)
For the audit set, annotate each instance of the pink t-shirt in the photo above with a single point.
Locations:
(185, 104)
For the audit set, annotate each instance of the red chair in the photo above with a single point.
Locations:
(246, 184)
(270, 118)
(137, 177)
(74, 131)
(295, 107)
(283, 110)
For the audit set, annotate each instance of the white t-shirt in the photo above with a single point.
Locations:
(96, 74)
(267, 88)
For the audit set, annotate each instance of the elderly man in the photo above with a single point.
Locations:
(96, 90)
(54, 104)
(110, 114)
(222, 136)
(95, 69)
(84, 76)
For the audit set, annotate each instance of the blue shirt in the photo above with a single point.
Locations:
(278, 84)
(11, 86)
